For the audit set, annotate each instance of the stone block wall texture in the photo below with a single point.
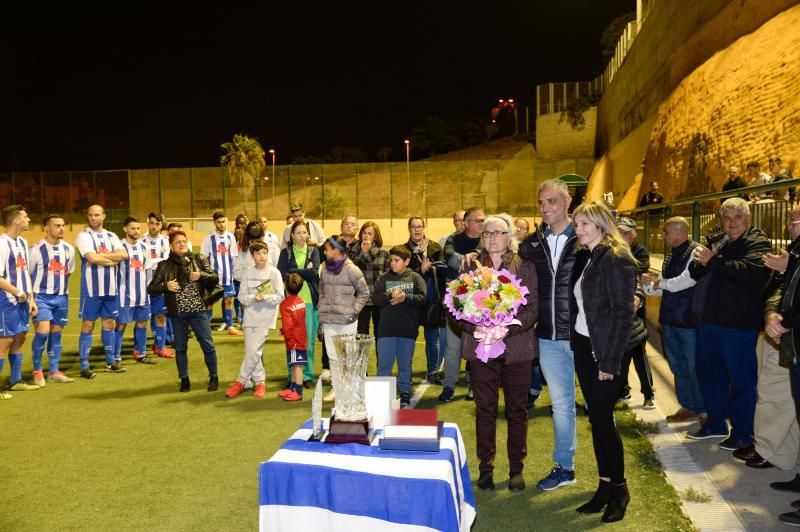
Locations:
(557, 138)
(696, 71)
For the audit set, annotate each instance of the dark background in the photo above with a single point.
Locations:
(158, 91)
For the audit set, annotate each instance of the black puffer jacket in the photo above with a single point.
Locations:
(178, 268)
(609, 284)
(554, 287)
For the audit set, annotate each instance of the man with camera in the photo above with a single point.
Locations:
(730, 275)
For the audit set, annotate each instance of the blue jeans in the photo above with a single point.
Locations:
(536, 379)
(558, 366)
(391, 348)
(679, 346)
(435, 344)
(199, 323)
(727, 374)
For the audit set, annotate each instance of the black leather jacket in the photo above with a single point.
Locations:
(175, 267)
(554, 287)
(784, 298)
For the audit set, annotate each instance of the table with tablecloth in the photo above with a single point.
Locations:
(353, 488)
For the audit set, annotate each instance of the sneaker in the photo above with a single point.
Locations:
(38, 379)
(222, 327)
(330, 396)
(87, 373)
(703, 434)
(558, 477)
(58, 377)
(791, 486)
(145, 360)
(447, 395)
(5, 395)
(284, 392)
(22, 386)
(405, 400)
(292, 396)
(234, 389)
(649, 404)
(116, 367)
(325, 375)
(731, 444)
(261, 391)
(746, 453)
(433, 378)
(795, 505)
(470, 395)
(790, 518)
(235, 332)
(625, 396)
(164, 353)
(213, 384)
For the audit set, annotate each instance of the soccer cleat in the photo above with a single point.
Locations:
(116, 367)
(235, 332)
(284, 392)
(145, 360)
(5, 395)
(87, 373)
(58, 377)
(234, 390)
(164, 353)
(292, 396)
(23, 387)
(222, 327)
(261, 391)
(38, 379)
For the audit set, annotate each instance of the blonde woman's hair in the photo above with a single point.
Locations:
(598, 214)
(506, 220)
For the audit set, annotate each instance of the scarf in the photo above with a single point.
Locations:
(419, 249)
(335, 267)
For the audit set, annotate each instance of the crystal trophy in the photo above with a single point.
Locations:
(316, 414)
(348, 373)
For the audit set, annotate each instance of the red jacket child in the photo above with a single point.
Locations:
(293, 319)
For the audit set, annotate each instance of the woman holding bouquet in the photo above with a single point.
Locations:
(603, 285)
(511, 370)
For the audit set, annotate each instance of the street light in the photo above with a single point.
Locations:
(272, 152)
(408, 174)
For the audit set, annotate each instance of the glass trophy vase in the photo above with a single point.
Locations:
(348, 373)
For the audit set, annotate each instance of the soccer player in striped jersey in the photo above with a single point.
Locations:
(16, 301)
(175, 226)
(271, 240)
(157, 249)
(52, 262)
(101, 252)
(134, 302)
(220, 248)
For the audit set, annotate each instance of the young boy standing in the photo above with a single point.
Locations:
(260, 293)
(400, 293)
(293, 318)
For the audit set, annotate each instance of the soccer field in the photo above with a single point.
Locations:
(128, 452)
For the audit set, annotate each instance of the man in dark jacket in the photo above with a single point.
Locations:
(731, 277)
(552, 250)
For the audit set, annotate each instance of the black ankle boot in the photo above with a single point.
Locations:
(615, 511)
(185, 384)
(599, 499)
(213, 384)
(486, 481)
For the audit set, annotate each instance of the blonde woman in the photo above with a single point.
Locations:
(603, 286)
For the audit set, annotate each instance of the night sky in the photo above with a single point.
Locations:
(157, 91)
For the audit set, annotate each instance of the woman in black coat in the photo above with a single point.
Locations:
(603, 285)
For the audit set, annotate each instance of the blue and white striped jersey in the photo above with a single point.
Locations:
(133, 276)
(220, 250)
(157, 248)
(14, 264)
(97, 280)
(51, 265)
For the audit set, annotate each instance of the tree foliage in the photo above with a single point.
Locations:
(243, 157)
(612, 33)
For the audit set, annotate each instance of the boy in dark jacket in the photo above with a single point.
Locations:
(400, 293)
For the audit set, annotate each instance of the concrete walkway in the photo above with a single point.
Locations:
(745, 500)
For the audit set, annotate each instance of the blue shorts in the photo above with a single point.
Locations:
(158, 305)
(13, 319)
(52, 308)
(230, 291)
(106, 307)
(131, 314)
(296, 357)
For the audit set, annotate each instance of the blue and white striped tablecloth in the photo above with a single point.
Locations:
(359, 488)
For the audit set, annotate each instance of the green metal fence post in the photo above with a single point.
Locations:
(391, 198)
(160, 193)
(425, 189)
(13, 188)
(357, 214)
(696, 222)
(224, 188)
(322, 195)
(497, 186)
(41, 192)
(71, 207)
(461, 183)
(129, 190)
(289, 183)
(647, 231)
(667, 214)
(257, 186)
(191, 192)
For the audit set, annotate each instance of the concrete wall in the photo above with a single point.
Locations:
(557, 138)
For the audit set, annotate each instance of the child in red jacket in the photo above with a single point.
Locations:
(293, 327)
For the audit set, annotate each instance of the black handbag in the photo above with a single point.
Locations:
(432, 314)
(210, 295)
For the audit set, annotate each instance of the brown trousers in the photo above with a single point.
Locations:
(515, 380)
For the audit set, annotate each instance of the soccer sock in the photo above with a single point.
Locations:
(118, 336)
(140, 340)
(54, 351)
(39, 341)
(227, 315)
(161, 338)
(84, 347)
(2, 364)
(15, 361)
(237, 307)
(109, 342)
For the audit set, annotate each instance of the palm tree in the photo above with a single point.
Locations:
(243, 158)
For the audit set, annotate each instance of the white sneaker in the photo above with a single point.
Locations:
(331, 395)
(325, 375)
(4, 395)
(38, 379)
(222, 327)
(59, 377)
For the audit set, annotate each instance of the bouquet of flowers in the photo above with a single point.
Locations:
(489, 299)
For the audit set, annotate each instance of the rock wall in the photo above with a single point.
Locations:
(556, 137)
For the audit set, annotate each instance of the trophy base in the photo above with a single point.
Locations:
(318, 437)
(349, 432)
